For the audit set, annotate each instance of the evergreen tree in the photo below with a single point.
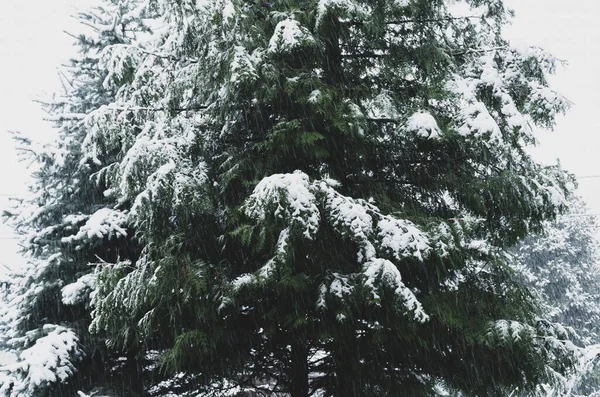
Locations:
(323, 192)
(562, 266)
(312, 197)
(66, 226)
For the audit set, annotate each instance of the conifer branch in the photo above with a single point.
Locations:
(430, 20)
(477, 50)
(427, 20)
(65, 117)
(157, 109)
(71, 35)
(460, 51)
(364, 55)
(382, 120)
(168, 57)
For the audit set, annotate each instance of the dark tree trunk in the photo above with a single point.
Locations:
(299, 369)
(333, 53)
(133, 369)
(345, 354)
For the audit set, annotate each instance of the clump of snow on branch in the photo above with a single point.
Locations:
(289, 35)
(79, 291)
(402, 3)
(228, 10)
(423, 125)
(351, 218)
(269, 269)
(289, 196)
(509, 330)
(344, 7)
(105, 222)
(172, 184)
(383, 272)
(51, 359)
(403, 239)
(151, 150)
(244, 65)
(314, 97)
(475, 117)
(338, 286)
(119, 60)
(381, 107)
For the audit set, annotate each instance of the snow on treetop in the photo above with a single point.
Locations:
(289, 35)
(424, 125)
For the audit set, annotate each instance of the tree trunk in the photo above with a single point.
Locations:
(133, 369)
(333, 53)
(345, 354)
(299, 369)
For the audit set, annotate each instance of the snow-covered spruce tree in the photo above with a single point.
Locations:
(68, 224)
(562, 265)
(323, 192)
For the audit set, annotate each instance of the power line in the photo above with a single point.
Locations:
(12, 195)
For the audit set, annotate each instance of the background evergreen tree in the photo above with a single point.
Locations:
(66, 226)
(562, 266)
(323, 191)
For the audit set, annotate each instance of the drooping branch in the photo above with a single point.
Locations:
(364, 55)
(168, 57)
(158, 109)
(427, 20)
(457, 51)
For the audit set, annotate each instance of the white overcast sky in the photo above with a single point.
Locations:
(32, 46)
